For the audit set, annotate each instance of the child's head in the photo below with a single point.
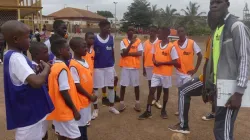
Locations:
(39, 51)
(153, 31)
(164, 33)
(181, 32)
(105, 27)
(130, 31)
(60, 49)
(79, 46)
(90, 38)
(16, 35)
(60, 28)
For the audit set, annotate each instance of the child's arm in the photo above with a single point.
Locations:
(64, 87)
(125, 50)
(79, 88)
(143, 61)
(138, 53)
(174, 57)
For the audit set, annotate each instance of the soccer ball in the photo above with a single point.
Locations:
(179, 136)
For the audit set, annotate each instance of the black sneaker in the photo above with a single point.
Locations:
(145, 115)
(117, 98)
(164, 115)
(105, 101)
(177, 128)
(209, 117)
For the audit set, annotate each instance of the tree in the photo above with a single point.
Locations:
(156, 16)
(169, 15)
(192, 17)
(106, 14)
(139, 14)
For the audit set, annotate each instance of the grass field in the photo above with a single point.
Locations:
(126, 126)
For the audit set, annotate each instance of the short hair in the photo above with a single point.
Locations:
(165, 29)
(131, 28)
(57, 23)
(57, 45)
(153, 27)
(35, 48)
(104, 23)
(88, 34)
(181, 26)
(75, 42)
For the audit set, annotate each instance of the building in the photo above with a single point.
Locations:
(77, 19)
(22, 10)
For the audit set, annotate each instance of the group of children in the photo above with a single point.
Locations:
(63, 85)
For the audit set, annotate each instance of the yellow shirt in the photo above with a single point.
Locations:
(207, 53)
(216, 50)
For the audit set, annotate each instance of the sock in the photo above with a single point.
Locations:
(104, 95)
(149, 108)
(137, 102)
(111, 95)
(164, 106)
(96, 94)
(121, 102)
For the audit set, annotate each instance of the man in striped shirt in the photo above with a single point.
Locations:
(229, 60)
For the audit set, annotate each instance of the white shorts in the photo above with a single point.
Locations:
(67, 129)
(33, 132)
(181, 79)
(149, 73)
(115, 74)
(104, 77)
(85, 116)
(130, 77)
(159, 80)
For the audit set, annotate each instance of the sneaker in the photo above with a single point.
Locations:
(113, 110)
(153, 102)
(164, 115)
(117, 98)
(209, 117)
(88, 124)
(158, 105)
(122, 107)
(95, 114)
(145, 115)
(137, 107)
(176, 113)
(105, 101)
(178, 129)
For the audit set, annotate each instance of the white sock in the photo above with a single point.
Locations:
(137, 102)
(96, 94)
(121, 102)
(111, 95)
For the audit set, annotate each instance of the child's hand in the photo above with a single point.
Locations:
(77, 115)
(45, 65)
(93, 98)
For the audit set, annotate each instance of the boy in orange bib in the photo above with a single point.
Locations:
(131, 50)
(148, 63)
(82, 75)
(164, 58)
(186, 49)
(63, 93)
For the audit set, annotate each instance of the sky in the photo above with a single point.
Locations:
(50, 6)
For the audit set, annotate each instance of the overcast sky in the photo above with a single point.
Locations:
(50, 6)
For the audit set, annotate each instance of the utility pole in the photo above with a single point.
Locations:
(87, 7)
(115, 17)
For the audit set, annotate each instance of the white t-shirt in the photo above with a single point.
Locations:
(123, 46)
(48, 44)
(173, 53)
(195, 46)
(74, 72)
(63, 79)
(19, 69)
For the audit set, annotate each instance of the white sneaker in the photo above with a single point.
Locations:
(153, 102)
(158, 105)
(113, 110)
(95, 114)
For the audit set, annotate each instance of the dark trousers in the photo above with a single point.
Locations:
(191, 88)
(84, 134)
(224, 123)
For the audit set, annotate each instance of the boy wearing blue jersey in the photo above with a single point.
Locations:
(104, 61)
(27, 100)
